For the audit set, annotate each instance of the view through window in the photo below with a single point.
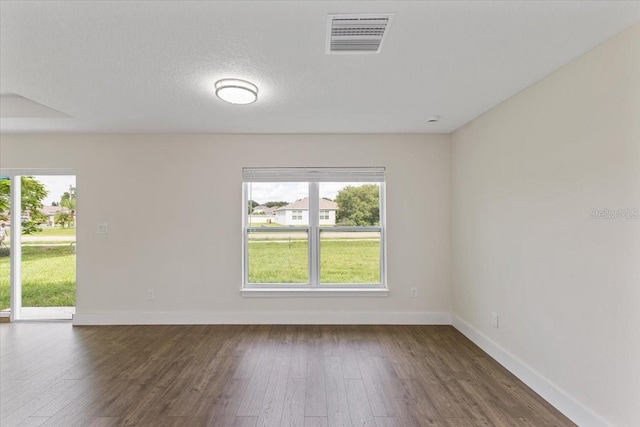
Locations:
(44, 235)
(320, 227)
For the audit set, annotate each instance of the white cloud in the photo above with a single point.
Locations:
(57, 185)
(278, 191)
(263, 192)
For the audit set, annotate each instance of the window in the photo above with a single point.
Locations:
(327, 232)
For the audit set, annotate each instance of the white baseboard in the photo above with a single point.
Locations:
(259, 318)
(571, 408)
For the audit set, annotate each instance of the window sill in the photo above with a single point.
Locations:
(313, 292)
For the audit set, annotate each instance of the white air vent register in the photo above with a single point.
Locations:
(356, 33)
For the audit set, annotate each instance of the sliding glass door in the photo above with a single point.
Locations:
(38, 252)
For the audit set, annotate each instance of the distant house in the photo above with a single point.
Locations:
(262, 215)
(297, 213)
(262, 209)
(50, 212)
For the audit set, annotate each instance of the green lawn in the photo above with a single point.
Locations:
(265, 224)
(350, 261)
(55, 235)
(341, 261)
(48, 277)
(56, 231)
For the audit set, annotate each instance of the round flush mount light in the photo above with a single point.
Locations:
(236, 91)
(433, 119)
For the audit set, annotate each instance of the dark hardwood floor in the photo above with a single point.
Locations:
(56, 374)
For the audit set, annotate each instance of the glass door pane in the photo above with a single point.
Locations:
(5, 231)
(48, 221)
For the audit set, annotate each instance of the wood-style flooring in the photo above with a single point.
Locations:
(54, 374)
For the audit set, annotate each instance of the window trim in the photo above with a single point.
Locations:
(313, 292)
(314, 287)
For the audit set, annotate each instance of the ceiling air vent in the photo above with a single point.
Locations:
(356, 33)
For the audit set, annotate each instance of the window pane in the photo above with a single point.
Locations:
(278, 204)
(350, 257)
(5, 265)
(349, 203)
(278, 256)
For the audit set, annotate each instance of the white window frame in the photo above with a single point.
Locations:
(314, 176)
(324, 215)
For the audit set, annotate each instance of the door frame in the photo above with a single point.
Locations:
(15, 256)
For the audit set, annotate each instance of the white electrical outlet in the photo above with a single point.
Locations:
(494, 320)
(102, 228)
(414, 292)
(150, 294)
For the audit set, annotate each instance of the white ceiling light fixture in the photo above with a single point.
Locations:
(236, 91)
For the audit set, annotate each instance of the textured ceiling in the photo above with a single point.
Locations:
(150, 66)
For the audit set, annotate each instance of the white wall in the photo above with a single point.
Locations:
(282, 218)
(286, 216)
(331, 220)
(566, 286)
(194, 261)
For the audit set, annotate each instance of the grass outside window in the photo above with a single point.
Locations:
(342, 261)
(48, 277)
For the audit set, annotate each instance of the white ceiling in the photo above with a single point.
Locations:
(149, 66)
